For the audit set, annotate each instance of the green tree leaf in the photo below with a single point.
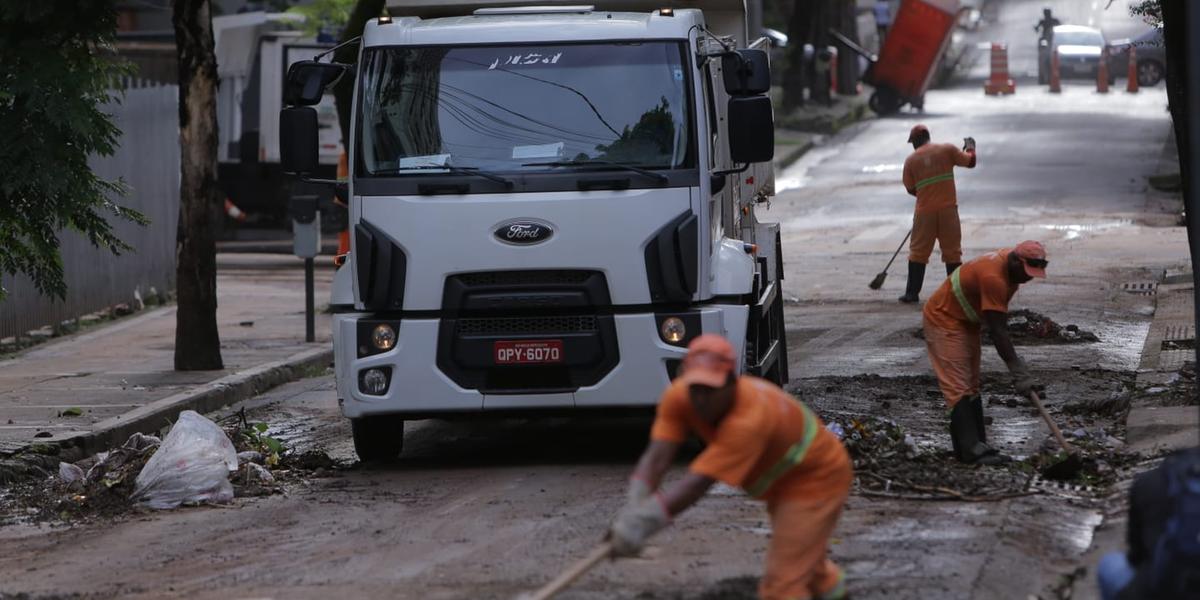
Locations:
(57, 74)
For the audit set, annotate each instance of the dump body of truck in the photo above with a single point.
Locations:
(545, 210)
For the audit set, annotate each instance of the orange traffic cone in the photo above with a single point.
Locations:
(1102, 73)
(1131, 86)
(1055, 82)
(233, 212)
(999, 82)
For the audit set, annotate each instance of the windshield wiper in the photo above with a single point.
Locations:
(507, 183)
(659, 177)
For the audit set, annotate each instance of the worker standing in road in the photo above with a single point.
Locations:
(929, 175)
(758, 438)
(883, 19)
(1046, 26)
(978, 292)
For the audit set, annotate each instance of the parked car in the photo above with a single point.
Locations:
(1079, 51)
(1151, 56)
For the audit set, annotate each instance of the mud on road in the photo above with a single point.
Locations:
(490, 509)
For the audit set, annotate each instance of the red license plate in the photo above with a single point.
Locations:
(528, 352)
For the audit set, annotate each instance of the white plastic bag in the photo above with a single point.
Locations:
(192, 465)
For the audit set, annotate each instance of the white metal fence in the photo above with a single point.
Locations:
(148, 161)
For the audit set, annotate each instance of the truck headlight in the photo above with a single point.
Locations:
(673, 330)
(383, 337)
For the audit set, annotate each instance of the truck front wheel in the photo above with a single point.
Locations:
(378, 438)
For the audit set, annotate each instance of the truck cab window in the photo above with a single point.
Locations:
(509, 108)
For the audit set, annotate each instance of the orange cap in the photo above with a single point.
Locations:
(1033, 257)
(918, 128)
(709, 361)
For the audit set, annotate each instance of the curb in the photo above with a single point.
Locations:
(792, 154)
(150, 418)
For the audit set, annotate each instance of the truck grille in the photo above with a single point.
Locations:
(526, 326)
(559, 277)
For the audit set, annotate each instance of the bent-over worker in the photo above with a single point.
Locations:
(978, 292)
(929, 175)
(758, 438)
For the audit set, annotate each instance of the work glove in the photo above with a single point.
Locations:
(1022, 378)
(635, 524)
(968, 143)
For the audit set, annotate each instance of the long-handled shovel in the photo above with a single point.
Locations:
(1071, 465)
(566, 578)
(878, 281)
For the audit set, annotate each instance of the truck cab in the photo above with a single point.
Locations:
(547, 204)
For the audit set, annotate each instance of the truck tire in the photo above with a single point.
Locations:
(884, 101)
(378, 438)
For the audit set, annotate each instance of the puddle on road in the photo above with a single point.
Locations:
(1075, 231)
(882, 168)
(796, 176)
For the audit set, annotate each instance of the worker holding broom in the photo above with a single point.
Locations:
(929, 175)
(758, 438)
(977, 293)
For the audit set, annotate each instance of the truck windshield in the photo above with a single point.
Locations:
(520, 108)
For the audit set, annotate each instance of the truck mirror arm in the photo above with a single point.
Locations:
(741, 169)
(338, 47)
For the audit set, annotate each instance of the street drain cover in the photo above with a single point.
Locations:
(1141, 288)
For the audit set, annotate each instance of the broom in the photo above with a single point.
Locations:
(878, 281)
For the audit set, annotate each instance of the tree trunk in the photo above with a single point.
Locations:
(1174, 23)
(197, 341)
(847, 25)
(343, 92)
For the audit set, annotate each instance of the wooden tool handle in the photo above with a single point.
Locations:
(576, 570)
(1053, 428)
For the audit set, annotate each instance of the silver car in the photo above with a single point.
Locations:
(1079, 51)
(1151, 56)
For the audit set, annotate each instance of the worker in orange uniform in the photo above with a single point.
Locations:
(929, 175)
(978, 292)
(758, 438)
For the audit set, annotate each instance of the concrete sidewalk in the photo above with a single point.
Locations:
(93, 389)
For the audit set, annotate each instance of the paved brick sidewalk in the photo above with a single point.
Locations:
(121, 374)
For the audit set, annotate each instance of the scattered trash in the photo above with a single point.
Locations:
(69, 473)
(74, 411)
(836, 429)
(246, 323)
(43, 434)
(258, 474)
(249, 456)
(191, 466)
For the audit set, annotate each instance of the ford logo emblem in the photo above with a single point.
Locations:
(523, 233)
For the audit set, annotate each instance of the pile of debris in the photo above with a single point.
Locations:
(888, 463)
(198, 462)
(1028, 328)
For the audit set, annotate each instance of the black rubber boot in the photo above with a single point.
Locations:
(981, 430)
(964, 433)
(950, 267)
(916, 277)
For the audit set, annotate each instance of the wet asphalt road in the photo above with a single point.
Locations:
(487, 510)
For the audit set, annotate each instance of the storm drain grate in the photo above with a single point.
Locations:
(1061, 488)
(1178, 346)
(1141, 288)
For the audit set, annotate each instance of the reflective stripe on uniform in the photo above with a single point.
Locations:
(956, 285)
(794, 455)
(838, 592)
(936, 178)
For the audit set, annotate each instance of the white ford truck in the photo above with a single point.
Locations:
(547, 203)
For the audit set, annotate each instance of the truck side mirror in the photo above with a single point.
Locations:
(746, 72)
(298, 139)
(307, 81)
(751, 130)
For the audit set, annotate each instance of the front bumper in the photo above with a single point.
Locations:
(419, 388)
